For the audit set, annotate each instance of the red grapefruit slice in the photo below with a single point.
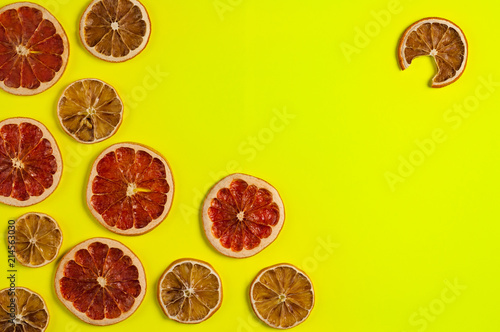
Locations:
(101, 281)
(30, 162)
(130, 189)
(242, 215)
(34, 49)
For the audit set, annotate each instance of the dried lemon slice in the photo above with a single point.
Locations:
(22, 310)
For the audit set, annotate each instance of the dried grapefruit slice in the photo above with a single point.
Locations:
(130, 189)
(22, 310)
(441, 39)
(101, 281)
(190, 291)
(90, 110)
(38, 239)
(115, 30)
(282, 296)
(34, 49)
(242, 215)
(30, 162)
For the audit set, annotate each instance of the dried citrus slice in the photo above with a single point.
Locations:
(441, 39)
(34, 49)
(130, 189)
(22, 310)
(282, 296)
(38, 239)
(115, 30)
(101, 281)
(30, 162)
(190, 291)
(90, 110)
(242, 215)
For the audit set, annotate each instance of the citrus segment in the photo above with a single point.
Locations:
(101, 281)
(115, 30)
(38, 239)
(33, 49)
(130, 189)
(441, 39)
(190, 291)
(282, 296)
(242, 215)
(30, 311)
(90, 110)
(30, 162)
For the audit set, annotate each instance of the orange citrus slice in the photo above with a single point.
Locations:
(90, 111)
(130, 189)
(29, 312)
(101, 281)
(441, 39)
(242, 215)
(34, 49)
(38, 239)
(115, 30)
(30, 162)
(190, 291)
(282, 296)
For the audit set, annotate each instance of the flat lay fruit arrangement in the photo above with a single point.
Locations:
(149, 177)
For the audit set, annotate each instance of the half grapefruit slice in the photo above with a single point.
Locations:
(34, 49)
(101, 281)
(130, 189)
(190, 291)
(30, 311)
(282, 296)
(242, 215)
(30, 162)
(441, 39)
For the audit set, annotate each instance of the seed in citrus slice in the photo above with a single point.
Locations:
(282, 296)
(441, 39)
(130, 189)
(242, 215)
(190, 291)
(38, 239)
(30, 162)
(90, 111)
(34, 49)
(29, 311)
(101, 281)
(115, 30)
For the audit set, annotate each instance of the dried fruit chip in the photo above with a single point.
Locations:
(242, 215)
(34, 49)
(38, 239)
(30, 311)
(441, 39)
(115, 30)
(90, 111)
(30, 162)
(190, 291)
(282, 296)
(101, 281)
(130, 189)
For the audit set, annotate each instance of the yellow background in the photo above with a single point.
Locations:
(381, 256)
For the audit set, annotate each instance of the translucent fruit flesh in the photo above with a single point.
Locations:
(90, 110)
(30, 312)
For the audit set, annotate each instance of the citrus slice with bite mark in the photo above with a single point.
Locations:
(34, 49)
(190, 291)
(101, 281)
(30, 311)
(90, 110)
(30, 162)
(282, 296)
(115, 30)
(130, 189)
(242, 215)
(38, 239)
(441, 39)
